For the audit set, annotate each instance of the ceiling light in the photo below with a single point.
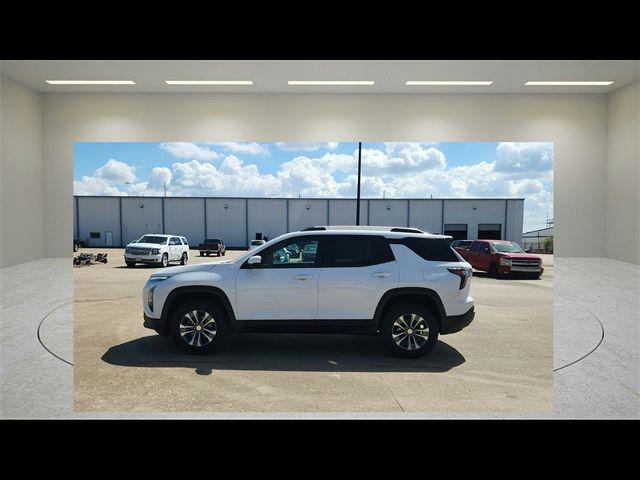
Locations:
(449, 82)
(331, 82)
(209, 82)
(90, 82)
(571, 83)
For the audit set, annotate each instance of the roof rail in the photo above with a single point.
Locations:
(313, 229)
(406, 230)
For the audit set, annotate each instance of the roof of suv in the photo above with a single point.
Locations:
(389, 232)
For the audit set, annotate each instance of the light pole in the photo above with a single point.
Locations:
(127, 184)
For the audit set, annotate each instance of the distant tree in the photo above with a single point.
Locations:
(547, 244)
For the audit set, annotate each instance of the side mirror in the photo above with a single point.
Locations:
(255, 260)
(527, 251)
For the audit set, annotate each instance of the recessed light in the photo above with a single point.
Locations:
(209, 82)
(449, 82)
(90, 82)
(571, 83)
(331, 82)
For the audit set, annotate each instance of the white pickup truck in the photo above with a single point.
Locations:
(157, 248)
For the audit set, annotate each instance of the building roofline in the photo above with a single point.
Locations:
(304, 198)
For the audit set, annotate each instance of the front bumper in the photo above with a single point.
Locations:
(158, 324)
(143, 258)
(455, 323)
(506, 269)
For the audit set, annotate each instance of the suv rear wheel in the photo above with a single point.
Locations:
(199, 326)
(410, 330)
(184, 259)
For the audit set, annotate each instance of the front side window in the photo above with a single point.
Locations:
(484, 248)
(357, 251)
(175, 241)
(292, 253)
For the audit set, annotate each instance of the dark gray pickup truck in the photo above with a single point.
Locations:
(212, 246)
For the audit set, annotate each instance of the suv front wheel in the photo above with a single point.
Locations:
(199, 326)
(410, 330)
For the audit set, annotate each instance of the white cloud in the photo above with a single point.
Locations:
(115, 171)
(252, 148)
(160, 176)
(190, 150)
(524, 157)
(305, 146)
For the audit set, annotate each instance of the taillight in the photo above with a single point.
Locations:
(463, 273)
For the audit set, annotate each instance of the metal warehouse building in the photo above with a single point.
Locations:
(115, 221)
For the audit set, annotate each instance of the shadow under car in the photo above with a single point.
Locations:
(284, 352)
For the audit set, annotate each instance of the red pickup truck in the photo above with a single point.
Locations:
(501, 257)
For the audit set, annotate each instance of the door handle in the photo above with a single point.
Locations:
(303, 277)
(381, 274)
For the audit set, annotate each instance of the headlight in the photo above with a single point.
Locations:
(126, 250)
(505, 261)
(155, 251)
(157, 278)
(150, 298)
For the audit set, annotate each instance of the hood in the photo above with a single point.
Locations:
(521, 256)
(201, 267)
(145, 245)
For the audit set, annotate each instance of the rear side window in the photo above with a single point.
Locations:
(357, 251)
(432, 249)
(475, 247)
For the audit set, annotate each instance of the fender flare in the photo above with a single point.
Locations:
(204, 290)
(401, 291)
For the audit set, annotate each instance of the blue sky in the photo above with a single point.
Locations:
(329, 169)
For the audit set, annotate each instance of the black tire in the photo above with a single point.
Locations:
(184, 259)
(131, 264)
(493, 270)
(401, 348)
(187, 340)
(165, 260)
(223, 253)
(201, 254)
(218, 253)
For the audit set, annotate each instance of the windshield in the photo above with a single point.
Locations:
(212, 240)
(153, 239)
(507, 248)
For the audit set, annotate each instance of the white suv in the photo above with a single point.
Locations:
(157, 248)
(407, 285)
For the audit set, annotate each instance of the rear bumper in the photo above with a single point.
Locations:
(158, 324)
(455, 323)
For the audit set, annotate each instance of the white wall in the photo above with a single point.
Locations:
(21, 197)
(576, 124)
(623, 175)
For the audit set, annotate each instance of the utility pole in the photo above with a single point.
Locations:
(359, 174)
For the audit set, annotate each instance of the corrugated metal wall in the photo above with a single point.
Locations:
(99, 215)
(230, 223)
(242, 218)
(140, 216)
(185, 217)
(267, 216)
(343, 212)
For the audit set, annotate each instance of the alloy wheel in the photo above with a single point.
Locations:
(198, 328)
(410, 331)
